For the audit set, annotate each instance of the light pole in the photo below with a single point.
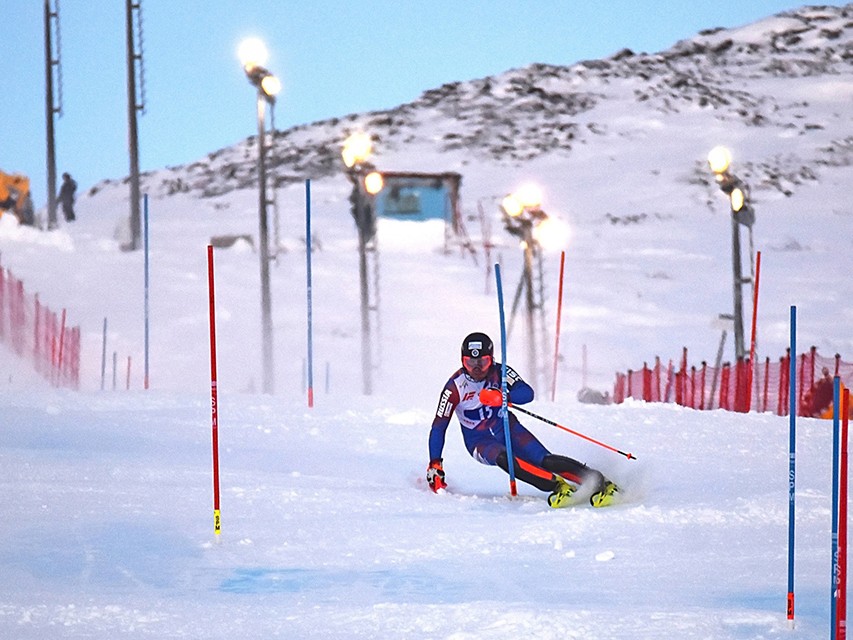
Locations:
(133, 17)
(253, 55)
(51, 18)
(366, 183)
(522, 214)
(719, 160)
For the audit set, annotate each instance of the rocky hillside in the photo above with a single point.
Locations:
(746, 78)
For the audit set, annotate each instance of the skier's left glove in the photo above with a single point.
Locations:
(435, 475)
(491, 397)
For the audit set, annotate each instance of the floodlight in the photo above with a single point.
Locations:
(252, 53)
(719, 159)
(271, 85)
(358, 147)
(738, 199)
(512, 206)
(551, 233)
(529, 195)
(373, 182)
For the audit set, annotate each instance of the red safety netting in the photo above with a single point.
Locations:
(736, 387)
(37, 334)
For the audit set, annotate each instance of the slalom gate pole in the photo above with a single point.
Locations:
(836, 455)
(751, 371)
(630, 456)
(841, 616)
(308, 288)
(792, 460)
(214, 401)
(145, 240)
(557, 332)
(510, 459)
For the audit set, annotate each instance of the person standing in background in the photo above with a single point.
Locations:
(66, 196)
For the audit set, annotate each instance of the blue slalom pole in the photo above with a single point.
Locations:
(145, 218)
(308, 276)
(504, 397)
(792, 459)
(836, 439)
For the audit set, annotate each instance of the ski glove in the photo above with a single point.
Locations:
(435, 475)
(491, 397)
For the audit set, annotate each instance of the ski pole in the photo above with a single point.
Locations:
(630, 456)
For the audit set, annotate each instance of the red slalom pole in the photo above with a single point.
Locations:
(841, 608)
(557, 332)
(630, 456)
(751, 370)
(214, 404)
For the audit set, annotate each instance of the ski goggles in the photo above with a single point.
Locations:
(470, 362)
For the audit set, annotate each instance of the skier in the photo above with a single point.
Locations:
(474, 393)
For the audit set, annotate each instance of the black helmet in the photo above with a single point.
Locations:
(477, 344)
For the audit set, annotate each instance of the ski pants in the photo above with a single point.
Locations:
(534, 464)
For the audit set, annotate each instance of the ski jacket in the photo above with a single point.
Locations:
(461, 394)
(66, 192)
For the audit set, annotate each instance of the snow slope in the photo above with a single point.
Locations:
(329, 532)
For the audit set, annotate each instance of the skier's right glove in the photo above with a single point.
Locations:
(435, 475)
(491, 397)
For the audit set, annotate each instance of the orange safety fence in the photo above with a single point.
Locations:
(37, 334)
(728, 387)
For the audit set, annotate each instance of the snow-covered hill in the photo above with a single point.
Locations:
(619, 148)
(760, 81)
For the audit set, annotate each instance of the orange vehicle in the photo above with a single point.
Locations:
(15, 197)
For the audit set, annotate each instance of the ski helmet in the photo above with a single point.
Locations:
(477, 344)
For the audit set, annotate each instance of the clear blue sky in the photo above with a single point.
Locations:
(334, 58)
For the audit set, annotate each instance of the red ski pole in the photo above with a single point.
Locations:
(630, 456)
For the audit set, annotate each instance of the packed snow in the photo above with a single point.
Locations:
(328, 527)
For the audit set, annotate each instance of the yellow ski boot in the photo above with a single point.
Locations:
(604, 497)
(562, 494)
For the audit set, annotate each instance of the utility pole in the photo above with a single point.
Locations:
(50, 107)
(133, 9)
